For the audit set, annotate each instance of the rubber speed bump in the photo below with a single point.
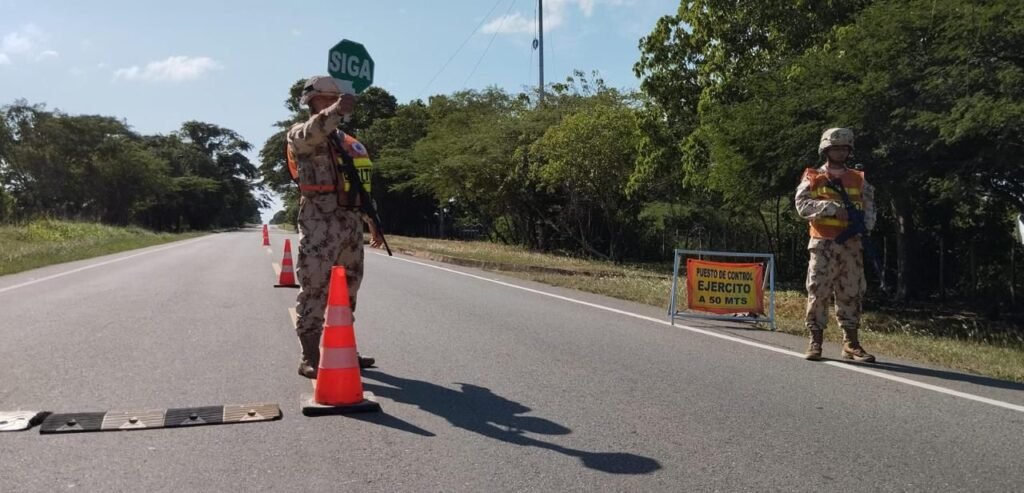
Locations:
(159, 418)
(72, 423)
(132, 420)
(20, 420)
(193, 416)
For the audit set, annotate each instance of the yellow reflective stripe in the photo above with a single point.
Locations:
(828, 192)
(365, 169)
(830, 221)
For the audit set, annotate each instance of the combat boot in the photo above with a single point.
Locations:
(365, 361)
(310, 355)
(814, 346)
(853, 350)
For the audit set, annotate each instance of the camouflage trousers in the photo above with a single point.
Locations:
(325, 240)
(835, 271)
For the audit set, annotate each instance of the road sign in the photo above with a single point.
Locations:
(350, 64)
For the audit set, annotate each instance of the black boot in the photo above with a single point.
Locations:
(365, 361)
(310, 355)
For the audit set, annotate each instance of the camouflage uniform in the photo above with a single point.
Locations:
(330, 233)
(835, 271)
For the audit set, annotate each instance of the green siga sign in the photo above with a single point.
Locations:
(350, 64)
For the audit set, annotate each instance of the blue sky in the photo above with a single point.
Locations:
(158, 64)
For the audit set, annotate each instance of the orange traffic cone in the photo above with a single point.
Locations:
(287, 278)
(266, 236)
(339, 386)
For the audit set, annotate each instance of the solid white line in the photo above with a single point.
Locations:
(101, 264)
(845, 366)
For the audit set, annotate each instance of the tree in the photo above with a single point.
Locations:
(588, 157)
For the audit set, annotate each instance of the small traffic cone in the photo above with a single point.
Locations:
(339, 386)
(287, 278)
(266, 236)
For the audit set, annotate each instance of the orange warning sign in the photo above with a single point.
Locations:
(724, 287)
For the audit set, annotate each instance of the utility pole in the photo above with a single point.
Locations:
(540, 45)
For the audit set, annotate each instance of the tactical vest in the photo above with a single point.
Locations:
(853, 181)
(360, 158)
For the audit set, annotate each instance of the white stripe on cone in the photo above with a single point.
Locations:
(338, 316)
(338, 358)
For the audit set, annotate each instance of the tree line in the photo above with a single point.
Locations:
(705, 154)
(95, 168)
(708, 152)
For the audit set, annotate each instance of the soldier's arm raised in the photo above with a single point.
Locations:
(306, 136)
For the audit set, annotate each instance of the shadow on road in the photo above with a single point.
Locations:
(385, 419)
(943, 374)
(479, 410)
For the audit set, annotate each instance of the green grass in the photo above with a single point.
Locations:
(929, 334)
(46, 242)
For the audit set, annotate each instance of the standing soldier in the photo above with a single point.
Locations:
(330, 222)
(835, 269)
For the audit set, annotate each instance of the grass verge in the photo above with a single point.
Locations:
(46, 242)
(929, 334)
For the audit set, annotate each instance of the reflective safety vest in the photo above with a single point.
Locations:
(360, 158)
(853, 181)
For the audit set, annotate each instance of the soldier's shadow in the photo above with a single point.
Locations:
(479, 410)
(937, 373)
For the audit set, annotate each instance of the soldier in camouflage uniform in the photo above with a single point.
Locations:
(330, 226)
(834, 270)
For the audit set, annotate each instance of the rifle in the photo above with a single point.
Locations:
(857, 226)
(348, 166)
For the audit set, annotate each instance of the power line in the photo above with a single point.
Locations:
(495, 35)
(477, 28)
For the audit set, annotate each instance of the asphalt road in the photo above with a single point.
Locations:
(487, 384)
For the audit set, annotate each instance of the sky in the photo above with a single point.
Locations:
(230, 63)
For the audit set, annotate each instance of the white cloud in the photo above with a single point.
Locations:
(554, 16)
(47, 54)
(24, 43)
(16, 43)
(4, 59)
(513, 24)
(174, 68)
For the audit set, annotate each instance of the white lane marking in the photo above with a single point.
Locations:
(845, 366)
(101, 264)
(277, 269)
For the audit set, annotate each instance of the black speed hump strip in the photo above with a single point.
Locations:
(159, 418)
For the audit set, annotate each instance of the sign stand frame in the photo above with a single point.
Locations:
(673, 313)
